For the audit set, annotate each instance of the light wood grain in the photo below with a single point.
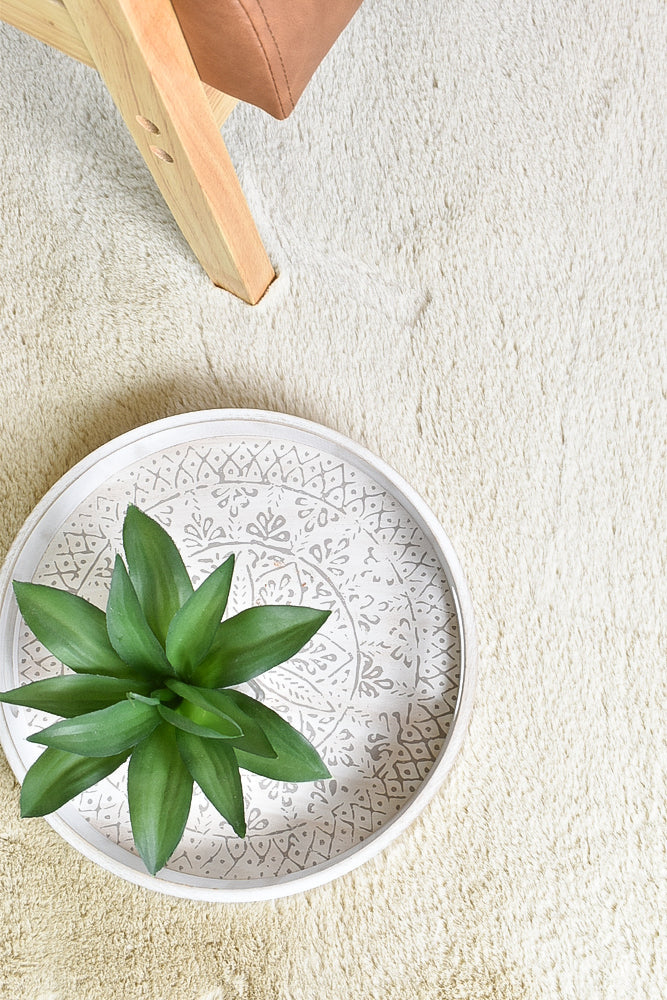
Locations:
(221, 104)
(139, 49)
(50, 22)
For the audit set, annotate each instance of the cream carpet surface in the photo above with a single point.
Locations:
(467, 214)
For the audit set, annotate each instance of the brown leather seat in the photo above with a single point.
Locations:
(262, 51)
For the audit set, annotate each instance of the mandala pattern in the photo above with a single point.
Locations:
(375, 690)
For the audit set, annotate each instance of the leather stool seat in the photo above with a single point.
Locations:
(261, 51)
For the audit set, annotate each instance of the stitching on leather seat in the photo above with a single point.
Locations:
(280, 55)
(266, 58)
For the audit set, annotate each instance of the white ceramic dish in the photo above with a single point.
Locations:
(384, 691)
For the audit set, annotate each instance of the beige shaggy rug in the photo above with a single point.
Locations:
(467, 214)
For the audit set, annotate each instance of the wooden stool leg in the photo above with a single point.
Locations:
(139, 49)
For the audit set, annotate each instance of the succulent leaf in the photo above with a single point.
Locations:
(156, 569)
(164, 696)
(192, 719)
(70, 628)
(126, 700)
(159, 790)
(56, 777)
(144, 699)
(103, 733)
(296, 760)
(73, 694)
(194, 626)
(129, 632)
(213, 766)
(254, 641)
(219, 703)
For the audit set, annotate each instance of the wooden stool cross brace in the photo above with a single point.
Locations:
(139, 50)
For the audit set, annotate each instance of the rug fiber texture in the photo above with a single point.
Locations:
(466, 212)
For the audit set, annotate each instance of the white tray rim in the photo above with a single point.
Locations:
(176, 429)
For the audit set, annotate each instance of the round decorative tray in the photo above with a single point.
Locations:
(384, 690)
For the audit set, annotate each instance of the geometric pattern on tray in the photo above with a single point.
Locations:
(375, 690)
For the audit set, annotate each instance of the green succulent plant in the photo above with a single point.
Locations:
(154, 681)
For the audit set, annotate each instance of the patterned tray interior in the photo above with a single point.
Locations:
(375, 690)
